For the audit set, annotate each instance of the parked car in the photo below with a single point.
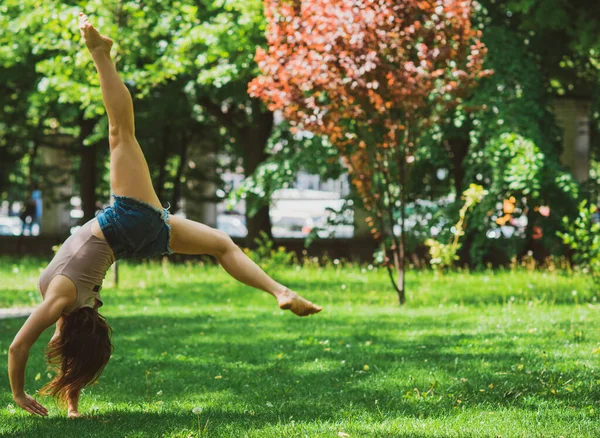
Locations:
(291, 226)
(10, 226)
(233, 225)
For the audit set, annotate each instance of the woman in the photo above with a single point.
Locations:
(135, 226)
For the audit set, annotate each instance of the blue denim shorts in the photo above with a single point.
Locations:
(135, 229)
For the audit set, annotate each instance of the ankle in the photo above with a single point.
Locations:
(281, 292)
(100, 53)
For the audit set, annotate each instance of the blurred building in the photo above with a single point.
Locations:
(573, 116)
(294, 211)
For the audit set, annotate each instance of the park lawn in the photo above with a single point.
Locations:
(471, 355)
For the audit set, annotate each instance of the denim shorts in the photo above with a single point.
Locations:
(135, 229)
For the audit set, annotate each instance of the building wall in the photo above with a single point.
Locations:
(56, 219)
(573, 116)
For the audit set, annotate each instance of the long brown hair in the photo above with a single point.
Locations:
(79, 353)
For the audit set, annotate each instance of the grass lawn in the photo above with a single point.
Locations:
(482, 355)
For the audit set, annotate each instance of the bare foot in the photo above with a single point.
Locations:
(93, 40)
(298, 305)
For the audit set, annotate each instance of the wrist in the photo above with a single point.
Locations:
(18, 394)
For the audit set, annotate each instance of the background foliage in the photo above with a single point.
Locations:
(188, 64)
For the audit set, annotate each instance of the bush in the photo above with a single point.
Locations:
(443, 255)
(267, 257)
(583, 237)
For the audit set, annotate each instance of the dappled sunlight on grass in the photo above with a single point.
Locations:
(515, 353)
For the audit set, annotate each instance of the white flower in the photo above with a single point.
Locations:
(197, 410)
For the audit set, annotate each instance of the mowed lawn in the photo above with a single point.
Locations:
(484, 354)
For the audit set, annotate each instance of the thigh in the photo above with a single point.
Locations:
(97, 231)
(189, 237)
(129, 173)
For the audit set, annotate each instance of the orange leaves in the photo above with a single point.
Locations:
(425, 5)
(390, 79)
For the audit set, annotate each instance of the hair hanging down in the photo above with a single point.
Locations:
(79, 353)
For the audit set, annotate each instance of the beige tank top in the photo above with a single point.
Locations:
(84, 259)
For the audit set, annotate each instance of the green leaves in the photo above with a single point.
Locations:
(444, 255)
(582, 235)
(517, 163)
(171, 53)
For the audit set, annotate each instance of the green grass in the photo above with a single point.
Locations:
(479, 355)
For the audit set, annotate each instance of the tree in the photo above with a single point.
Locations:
(186, 63)
(372, 76)
(515, 125)
(570, 64)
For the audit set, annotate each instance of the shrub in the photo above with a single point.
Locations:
(583, 237)
(268, 257)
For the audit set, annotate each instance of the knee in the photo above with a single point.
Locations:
(225, 244)
(118, 134)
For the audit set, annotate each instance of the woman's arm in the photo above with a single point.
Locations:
(46, 314)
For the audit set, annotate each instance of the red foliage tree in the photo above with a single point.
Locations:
(371, 75)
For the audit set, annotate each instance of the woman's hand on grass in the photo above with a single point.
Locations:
(30, 405)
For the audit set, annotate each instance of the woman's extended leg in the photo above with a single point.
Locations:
(129, 174)
(189, 237)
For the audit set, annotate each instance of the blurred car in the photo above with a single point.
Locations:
(10, 226)
(326, 230)
(233, 225)
(299, 226)
(291, 226)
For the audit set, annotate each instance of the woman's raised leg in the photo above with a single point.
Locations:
(129, 174)
(189, 237)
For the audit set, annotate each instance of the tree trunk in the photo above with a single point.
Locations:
(31, 181)
(88, 171)
(255, 141)
(403, 186)
(458, 148)
(179, 175)
(401, 249)
(162, 173)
